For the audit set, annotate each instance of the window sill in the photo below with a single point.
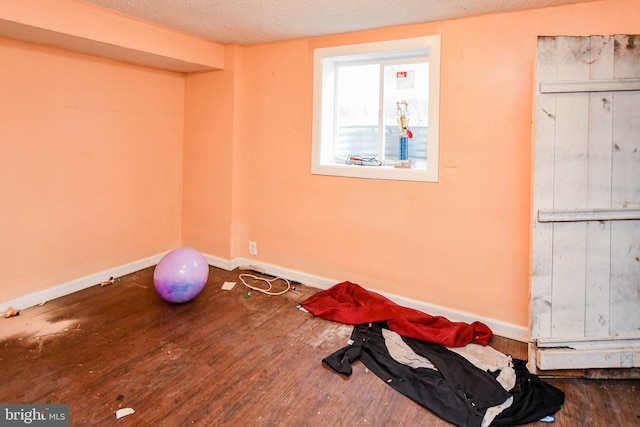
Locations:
(420, 174)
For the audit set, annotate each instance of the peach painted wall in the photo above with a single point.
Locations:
(90, 165)
(211, 126)
(463, 243)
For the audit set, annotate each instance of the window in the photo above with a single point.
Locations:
(358, 94)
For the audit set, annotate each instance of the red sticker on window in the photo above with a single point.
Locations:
(401, 74)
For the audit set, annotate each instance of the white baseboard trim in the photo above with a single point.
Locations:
(277, 271)
(499, 327)
(217, 262)
(67, 288)
(503, 329)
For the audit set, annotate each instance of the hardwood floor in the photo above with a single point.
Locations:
(226, 358)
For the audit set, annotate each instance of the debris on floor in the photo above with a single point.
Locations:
(11, 312)
(124, 412)
(227, 286)
(111, 281)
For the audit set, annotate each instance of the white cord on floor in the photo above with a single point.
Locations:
(269, 281)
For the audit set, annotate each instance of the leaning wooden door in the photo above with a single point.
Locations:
(585, 274)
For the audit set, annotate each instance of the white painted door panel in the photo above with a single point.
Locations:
(585, 283)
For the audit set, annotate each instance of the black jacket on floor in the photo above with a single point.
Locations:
(458, 391)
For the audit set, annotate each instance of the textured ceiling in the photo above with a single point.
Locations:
(249, 22)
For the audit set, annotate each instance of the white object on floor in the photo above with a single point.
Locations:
(124, 412)
(227, 286)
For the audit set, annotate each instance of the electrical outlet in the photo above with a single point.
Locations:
(253, 248)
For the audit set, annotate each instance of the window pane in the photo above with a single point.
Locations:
(350, 86)
(358, 94)
(406, 82)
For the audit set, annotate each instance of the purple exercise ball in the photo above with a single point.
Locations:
(180, 275)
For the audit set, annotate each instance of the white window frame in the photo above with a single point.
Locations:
(322, 162)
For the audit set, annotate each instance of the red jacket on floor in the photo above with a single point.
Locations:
(351, 304)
